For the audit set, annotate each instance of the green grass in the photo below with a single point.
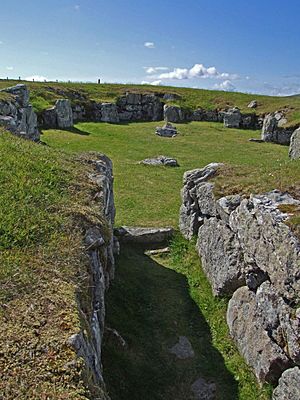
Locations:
(168, 297)
(43, 95)
(148, 195)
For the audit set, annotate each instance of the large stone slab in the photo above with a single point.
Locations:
(221, 257)
(144, 236)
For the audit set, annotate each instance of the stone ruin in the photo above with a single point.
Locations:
(249, 253)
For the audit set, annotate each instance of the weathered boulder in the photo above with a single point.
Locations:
(272, 130)
(109, 113)
(221, 257)
(17, 115)
(197, 199)
(161, 160)
(144, 236)
(173, 114)
(289, 385)
(168, 130)
(294, 151)
(232, 118)
(245, 318)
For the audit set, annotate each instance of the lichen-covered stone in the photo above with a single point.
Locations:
(294, 151)
(289, 385)
(221, 257)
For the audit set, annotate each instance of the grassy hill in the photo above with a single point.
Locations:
(44, 95)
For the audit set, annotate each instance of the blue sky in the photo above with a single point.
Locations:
(228, 45)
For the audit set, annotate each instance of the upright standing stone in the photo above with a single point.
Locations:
(294, 151)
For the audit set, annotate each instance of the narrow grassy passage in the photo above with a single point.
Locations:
(151, 307)
(151, 303)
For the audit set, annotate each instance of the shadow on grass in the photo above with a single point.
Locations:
(150, 306)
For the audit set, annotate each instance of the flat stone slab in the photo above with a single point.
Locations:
(203, 390)
(168, 130)
(161, 160)
(183, 349)
(143, 236)
(281, 198)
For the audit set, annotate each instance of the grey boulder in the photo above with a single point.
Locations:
(294, 151)
(168, 130)
(160, 160)
(289, 385)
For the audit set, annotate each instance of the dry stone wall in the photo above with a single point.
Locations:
(249, 253)
(101, 246)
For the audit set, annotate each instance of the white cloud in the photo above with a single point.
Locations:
(177, 73)
(9, 68)
(153, 83)
(36, 78)
(149, 45)
(154, 70)
(197, 71)
(227, 86)
(77, 7)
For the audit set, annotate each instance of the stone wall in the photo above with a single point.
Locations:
(17, 115)
(249, 253)
(100, 246)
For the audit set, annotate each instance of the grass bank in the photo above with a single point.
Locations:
(40, 256)
(44, 95)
